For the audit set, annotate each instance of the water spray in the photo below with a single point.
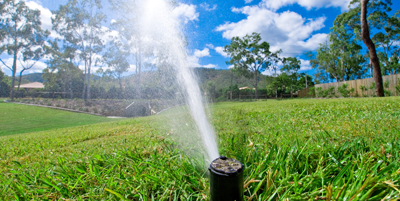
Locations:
(226, 179)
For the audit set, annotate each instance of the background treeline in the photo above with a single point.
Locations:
(91, 57)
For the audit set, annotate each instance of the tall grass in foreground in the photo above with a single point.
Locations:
(343, 149)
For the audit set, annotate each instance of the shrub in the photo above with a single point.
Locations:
(351, 91)
(343, 90)
(387, 92)
(386, 88)
(398, 85)
(363, 89)
(311, 92)
(319, 92)
(330, 92)
(386, 84)
(372, 85)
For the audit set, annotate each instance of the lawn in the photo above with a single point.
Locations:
(17, 119)
(339, 149)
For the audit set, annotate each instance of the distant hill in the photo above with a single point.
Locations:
(33, 77)
(224, 78)
(37, 77)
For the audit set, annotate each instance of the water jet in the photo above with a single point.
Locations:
(226, 179)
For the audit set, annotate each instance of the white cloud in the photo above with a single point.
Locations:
(288, 30)
(209, 66)
(186, 12)
(202, 53)
(220, 50)
(248, 1)
(45, 17)
(207, 6)
(211, 46)
(194, 60)
(36, 68)
(308, 4)
(305, 65)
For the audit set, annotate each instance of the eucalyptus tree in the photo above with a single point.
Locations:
(345, 45)
(339, 58)
(362, 17)
(4, 87)
(62, 73)
(80, 23)
(291, 65)
(21, 36)
(325, 62)
(388, 39)
(128, 13)
(116, 58)
(250, 57)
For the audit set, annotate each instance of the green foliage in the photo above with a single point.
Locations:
(343, 90)
(386, 88)
(372, 85)
(21, 34)
(4, 87)
(250, 57)
(80, 23)
(340, 59)
(211, 92)
(327, 93)
(398, 85)
(312, 92)
(330, 92)
(308, 150)
(319, 92)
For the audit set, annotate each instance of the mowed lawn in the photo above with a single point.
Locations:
(17, 119)
(304, 149)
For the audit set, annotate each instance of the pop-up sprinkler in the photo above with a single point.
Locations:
(226, 179)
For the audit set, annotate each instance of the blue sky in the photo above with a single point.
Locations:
(295, 26)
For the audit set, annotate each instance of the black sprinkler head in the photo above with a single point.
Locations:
(226, 179)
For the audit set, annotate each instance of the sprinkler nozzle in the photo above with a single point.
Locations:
(226, 179)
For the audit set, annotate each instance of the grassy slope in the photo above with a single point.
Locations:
(16, 119)
(298, 149)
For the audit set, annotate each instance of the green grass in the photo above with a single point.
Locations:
(340, 149)
(17, 119)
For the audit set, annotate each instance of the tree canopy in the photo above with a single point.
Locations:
(250, 57)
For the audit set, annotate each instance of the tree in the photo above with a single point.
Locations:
(250, 57)
(62, 74)
(371, 48)
(79, 22)
(116, 60)
(350, 62)
(356, 19)
(340, 58)
(21, 35)
(291, 65)
(387, 40)
(4, 88)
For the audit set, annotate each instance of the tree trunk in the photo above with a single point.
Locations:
(291, 92)
(371, 48)
(306, 82)
(255, 84)
(20, 79)
(88, 79)
(84, 82)
(14, 67)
